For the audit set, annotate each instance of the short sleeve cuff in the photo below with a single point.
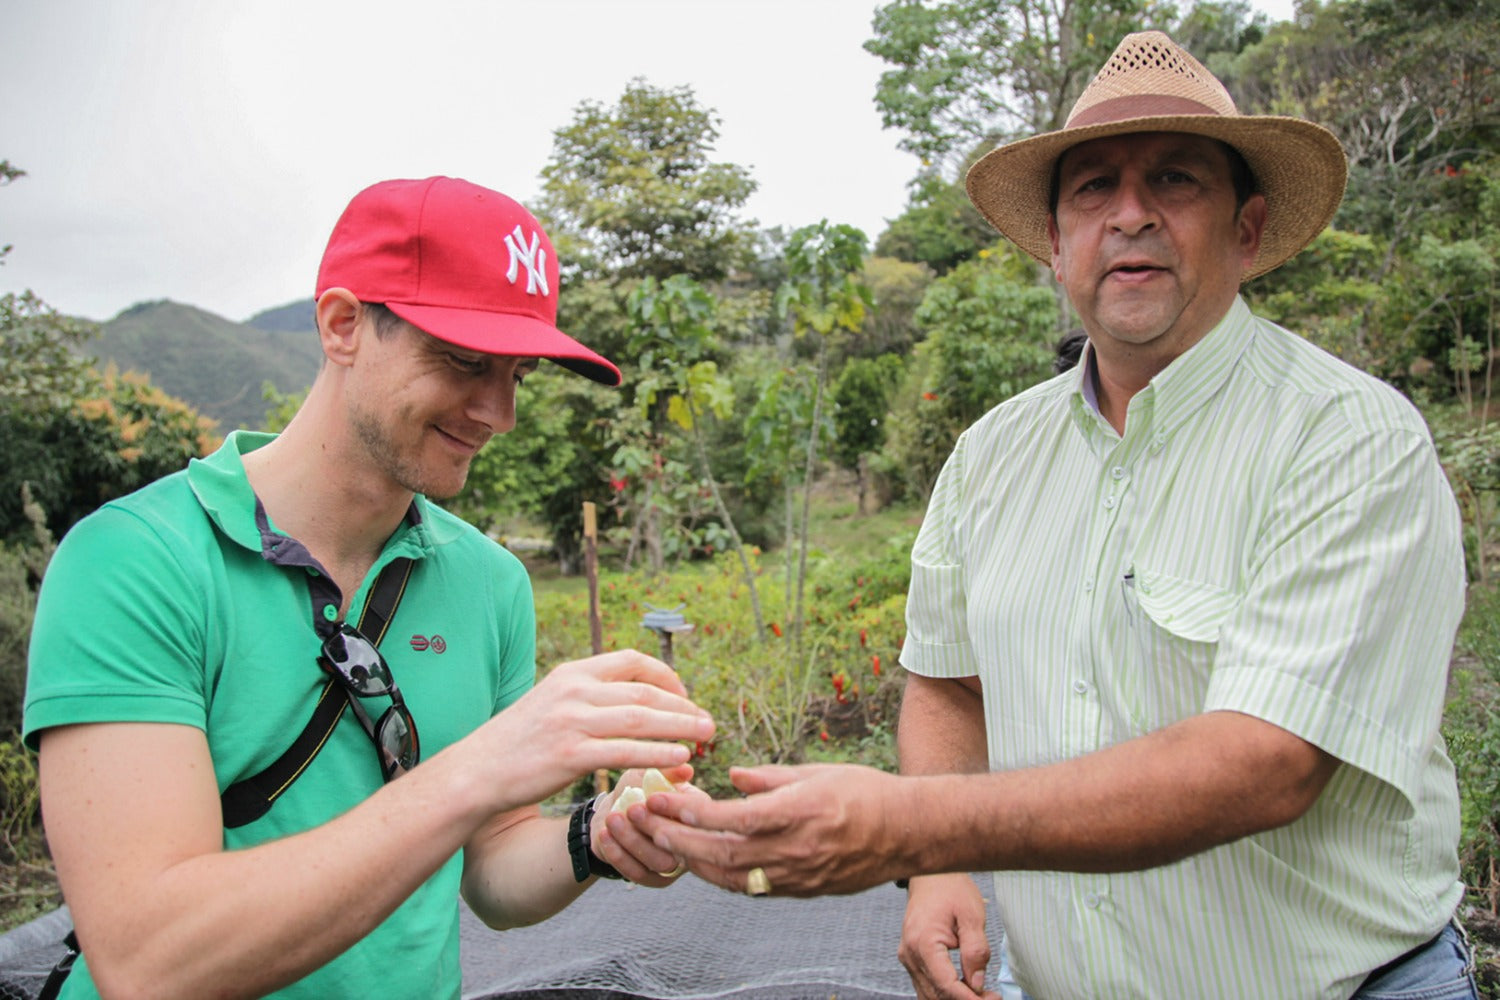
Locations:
(933, 659)
(100, 706)
(1321, 719)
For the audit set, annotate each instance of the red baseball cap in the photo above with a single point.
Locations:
(464, 263)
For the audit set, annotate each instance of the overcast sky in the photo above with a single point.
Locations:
(200, 150)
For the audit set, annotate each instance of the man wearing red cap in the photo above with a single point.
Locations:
(186, 634)
(1187, 608)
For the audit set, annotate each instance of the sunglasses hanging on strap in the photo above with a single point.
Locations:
(251, 798)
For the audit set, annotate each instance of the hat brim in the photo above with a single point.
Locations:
(1298, 165)
(510, 334)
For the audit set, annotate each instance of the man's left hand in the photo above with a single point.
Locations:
(812, 829)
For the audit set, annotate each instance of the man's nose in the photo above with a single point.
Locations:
(493, 402)
(1133, 210)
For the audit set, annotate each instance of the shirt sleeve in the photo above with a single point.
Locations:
(937, 635)
(118, 634)
(1345, 634)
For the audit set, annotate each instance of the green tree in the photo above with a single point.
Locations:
(777, 429)
(674, 324)
(940, 226)
(827, 301)
(631, 190)
(896, 290)
(966, 72)
(991, 334)
(862, 395)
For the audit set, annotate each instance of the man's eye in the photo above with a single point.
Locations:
(1176, 177)
(1093, 184)
(471, 366)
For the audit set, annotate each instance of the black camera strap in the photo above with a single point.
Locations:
(251, 798)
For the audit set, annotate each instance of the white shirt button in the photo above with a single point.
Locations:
(1080, 687)
(1109, 503)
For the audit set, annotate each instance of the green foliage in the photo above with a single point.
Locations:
(1472, 730)
(769, 707)
(1469, 449)
(630, 190)
(281, 407)
(896, 289)
(823, 292)
(1326, 293)
(991, 334)
(674, 328)
(940, 226)
(553, 461)
(972, 71)
(862, 394)
(77, 437)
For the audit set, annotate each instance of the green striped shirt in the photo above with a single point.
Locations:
(1272, 535)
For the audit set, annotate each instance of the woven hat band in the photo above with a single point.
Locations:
(1140, 106)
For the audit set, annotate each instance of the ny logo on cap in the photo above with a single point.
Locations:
(530, 256)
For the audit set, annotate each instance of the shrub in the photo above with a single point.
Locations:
(1472, 729)
(838, 705)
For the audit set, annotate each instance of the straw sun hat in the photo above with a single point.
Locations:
(1151, 84)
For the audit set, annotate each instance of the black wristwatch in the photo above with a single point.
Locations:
(581, 851)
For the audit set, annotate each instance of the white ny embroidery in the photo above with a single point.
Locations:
(529, 255)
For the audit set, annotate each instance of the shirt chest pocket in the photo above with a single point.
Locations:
(1173, 627)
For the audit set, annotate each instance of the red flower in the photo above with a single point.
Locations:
(777, 629)
(823, 736)
(875, 664)
(929, 396)
(619, 485)
(861, 637)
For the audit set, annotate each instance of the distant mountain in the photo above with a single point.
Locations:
(214, 364)
(294, 317)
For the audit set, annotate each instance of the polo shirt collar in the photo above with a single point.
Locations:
(224, 493)
(1181, 388)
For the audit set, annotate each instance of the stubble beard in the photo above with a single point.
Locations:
(388, 457)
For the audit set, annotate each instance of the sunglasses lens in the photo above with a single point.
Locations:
(359, 662)
(398, 750)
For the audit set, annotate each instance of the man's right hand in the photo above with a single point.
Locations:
(944, 913)
(611, 711)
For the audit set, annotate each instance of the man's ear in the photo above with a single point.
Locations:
(338, 314)
(1252, 223)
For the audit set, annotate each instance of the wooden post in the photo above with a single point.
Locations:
(596, 624)
(591, 570)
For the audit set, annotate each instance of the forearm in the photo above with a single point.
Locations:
(517, 870)
(1202, 782)
(246, 922)
(941, 729)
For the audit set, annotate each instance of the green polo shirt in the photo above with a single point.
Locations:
(181, 604)
(1272, 535)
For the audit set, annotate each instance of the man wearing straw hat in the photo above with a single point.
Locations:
(1188, 608)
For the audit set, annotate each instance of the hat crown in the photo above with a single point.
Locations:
(1149, 74)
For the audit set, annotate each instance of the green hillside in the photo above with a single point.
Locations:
(214, 364)
(294, 317)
